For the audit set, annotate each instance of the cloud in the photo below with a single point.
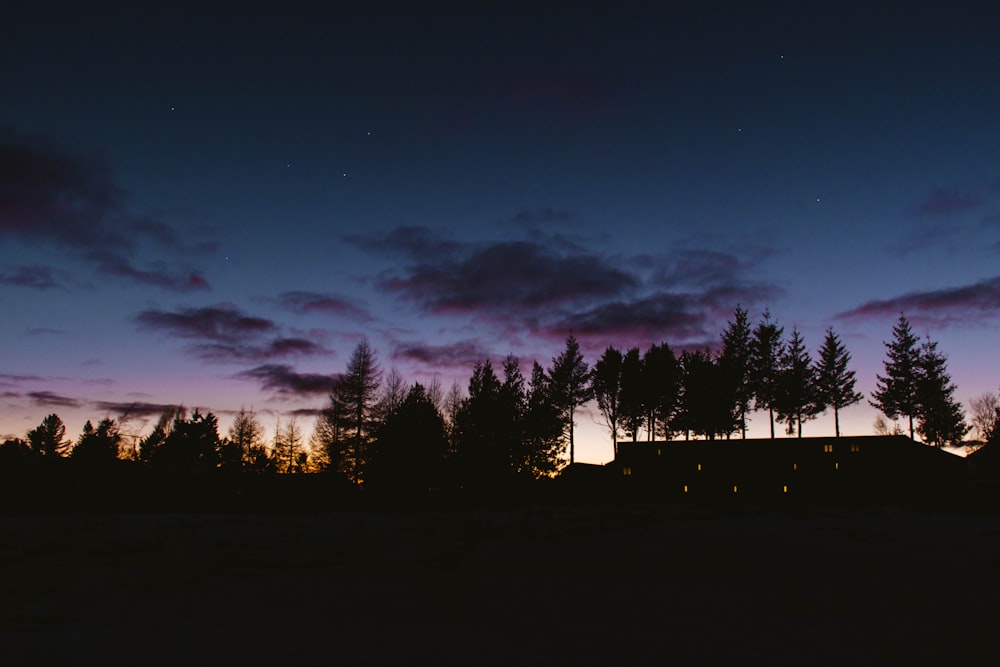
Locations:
(9, 380)
(942, 202)
(508, 277)
(135, 409)
(47, 398)
(701, 267)
(406, 241)
(115, 264)
(55, 196)
(968, 304)
(286, 382)
(304, 303)
(462, 354)
(221, 323)
(274, 349)
(34, 276)
(43, 331)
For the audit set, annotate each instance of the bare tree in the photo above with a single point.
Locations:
(984, 414)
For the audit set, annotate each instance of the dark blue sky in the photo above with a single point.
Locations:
(211, 206)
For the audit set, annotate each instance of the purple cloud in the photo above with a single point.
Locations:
(135, 409)
(222, 322)
(942, 201)
(114, 264)
(505, 277)
(49, 399)
(304, 303)
(968, 304)
(34, 276)
(286, 382)
(275, 349)
(462, 354)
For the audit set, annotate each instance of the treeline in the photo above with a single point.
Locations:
(378, 432)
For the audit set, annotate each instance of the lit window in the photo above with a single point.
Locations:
(735, 488)
(685, 488)
(836, 466)
(828, 449)
(795, 466)
(699, 466)
(855, 447)
(659, 451)
(786, 488)
(626, 471)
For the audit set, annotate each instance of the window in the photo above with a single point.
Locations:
(699, 466)
(828, 449)
(795, 466)
(627, 472)
(836, 466)
(786, 488)
(855, 447)
(659, 451)
(685, 488)
(735, 488)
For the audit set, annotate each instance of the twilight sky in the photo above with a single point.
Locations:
(211, 206)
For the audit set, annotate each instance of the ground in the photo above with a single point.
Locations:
(635, 585)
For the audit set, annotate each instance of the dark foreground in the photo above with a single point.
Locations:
(635, 585)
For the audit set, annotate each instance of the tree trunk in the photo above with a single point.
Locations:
(770, 412)
(836, 420)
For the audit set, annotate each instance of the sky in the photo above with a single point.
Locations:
(210, 204)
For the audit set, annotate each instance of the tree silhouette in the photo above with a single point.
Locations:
(661, 379)
(483, 452)
(48, 439)
(941, 419)
(765, 353)
(570, 381)
(736, 356)
(706, 408)
(543, 443)
(98, 445)
(245, 443)
(193, 444)
(357, 393)
(984, 415)
(632, 403)
(408, 455)
(895, 393)
(834, 380)
(606, 388)
(796, 398)
(14, 452)
(288, 450)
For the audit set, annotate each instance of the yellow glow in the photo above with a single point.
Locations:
(855, 447)
(685, 488)
(626, 471)
(828, 448)
(786, 488)
(699, 466)
(735, 489)
(836, 466)
(795, 466)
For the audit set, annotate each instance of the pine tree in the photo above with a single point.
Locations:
(736, 356)
(543, 428)
(661, 382)
(48, 439)
(357, 393)
(570, 381)
(834, 381)
(796, 391)
(765, 352)
(895, 393)
(632, 402)
(941, 419)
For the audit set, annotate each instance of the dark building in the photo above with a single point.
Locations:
(846, 469)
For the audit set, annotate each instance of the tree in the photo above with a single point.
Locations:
(98, 445)
(48, 439)
(705, 407)
(570, 382)
(941, 419)
(482, 450)
(661, 379)
(164, 425)
(391, 395)
(288, 451)
(736, 356)
(895, 393)
(245, 442)
(632, 400)
(192, 446)
(834, 380)
(357, 393)
(542, 431)
(606, 388)
(409, 451)
(765, 352)
(984, 416)
(796, 397)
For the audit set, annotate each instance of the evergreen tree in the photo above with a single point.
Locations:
(705, 408)
(895, 393)
(48, 439)
(570, 381)
(409, 452)
(245, 441)
(632, 404)
(765, 353)
(796, 398)
(834, 380)
(483, 452)
(941, 418)
(606, 388)
(192, 445)
(98, 445)
(542, 428)
(357, 393)
(736, 357)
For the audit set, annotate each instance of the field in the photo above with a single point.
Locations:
(635, 585)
